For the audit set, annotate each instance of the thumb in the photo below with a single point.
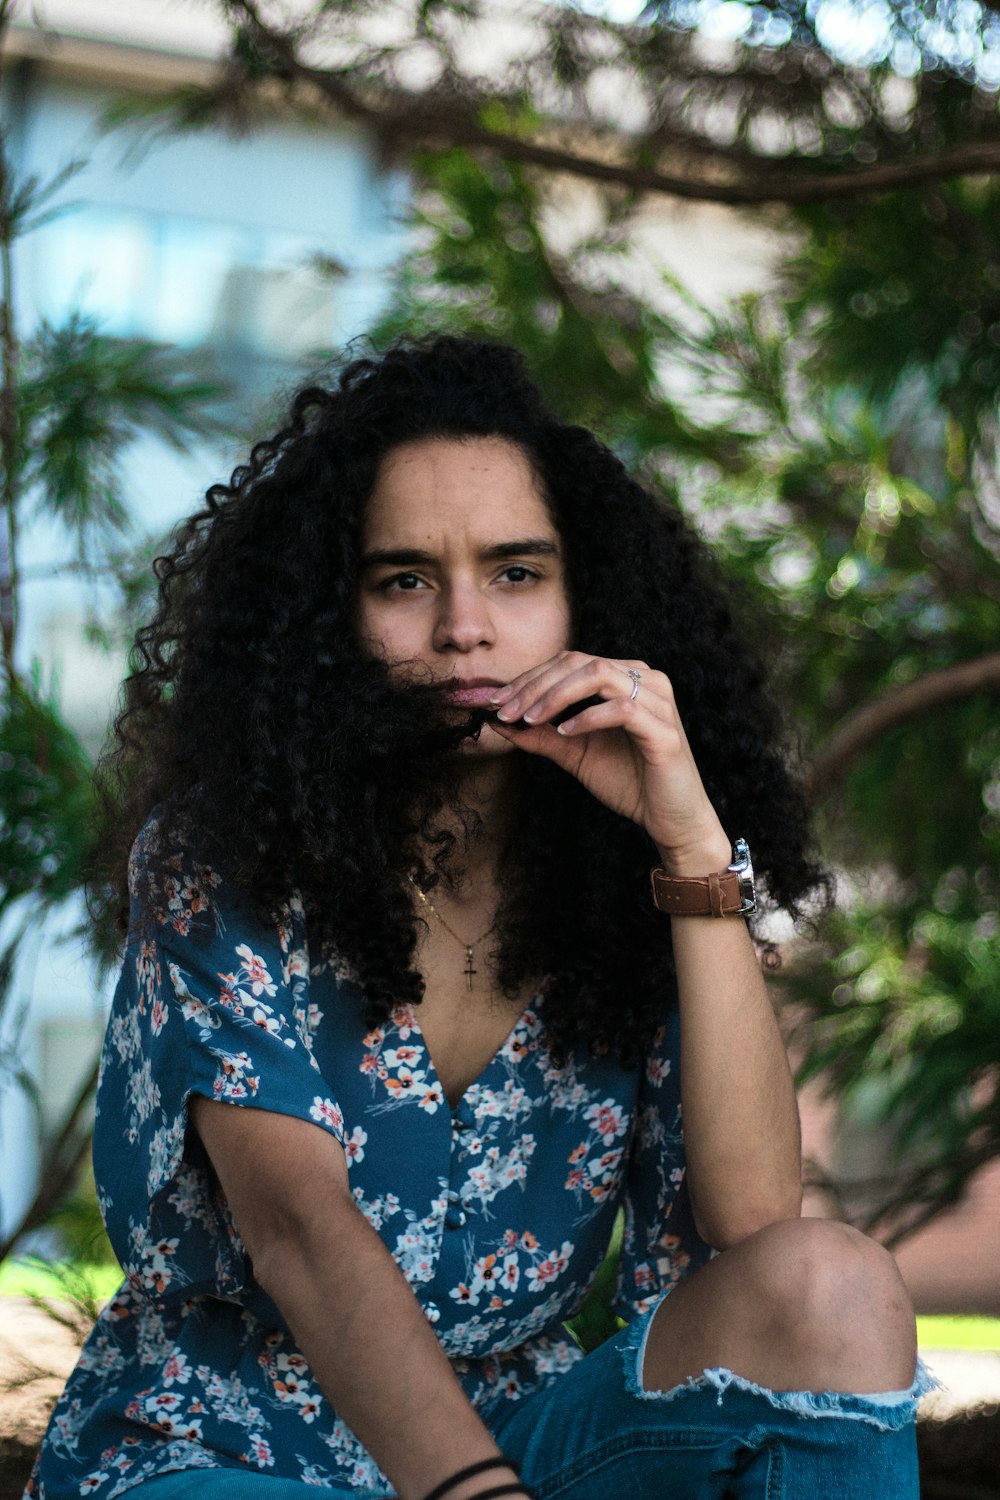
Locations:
(542, 739)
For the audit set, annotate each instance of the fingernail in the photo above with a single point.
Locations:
(508, 711)
(565, 726)
(500, 696)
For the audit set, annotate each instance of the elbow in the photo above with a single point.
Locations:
(275, 1263)
(730, 1226)
(285, 1248)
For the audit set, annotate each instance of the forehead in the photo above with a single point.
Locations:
(456, 486)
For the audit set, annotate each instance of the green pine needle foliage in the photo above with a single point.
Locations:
(83, 397)
(835, 434)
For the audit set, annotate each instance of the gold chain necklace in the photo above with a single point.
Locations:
(468, 971)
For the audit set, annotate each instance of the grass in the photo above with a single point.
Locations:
(959, 1333)
(19, 1278)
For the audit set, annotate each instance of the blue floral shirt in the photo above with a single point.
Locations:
(498, 1212)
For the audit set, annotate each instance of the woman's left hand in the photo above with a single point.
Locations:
(630, 751)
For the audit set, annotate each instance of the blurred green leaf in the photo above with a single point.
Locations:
(83, 397)
(46, 802)
(595, 1319)
(909, 999)
(29, 202)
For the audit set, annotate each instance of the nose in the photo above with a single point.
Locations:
(463, 619)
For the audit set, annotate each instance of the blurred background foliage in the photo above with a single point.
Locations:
(71, 400)
(834, 433)
(847, 476)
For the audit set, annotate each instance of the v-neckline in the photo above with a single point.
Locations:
(531, 1004)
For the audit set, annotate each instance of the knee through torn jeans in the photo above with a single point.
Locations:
(597, 1434)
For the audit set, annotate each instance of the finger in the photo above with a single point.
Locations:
(651, 731)
(517, 684)
(572, 675)
(546, 672)
(543, 740)
(598, 677)
(526, 689)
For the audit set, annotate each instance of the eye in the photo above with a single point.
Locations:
(405, 582)
(518, 573)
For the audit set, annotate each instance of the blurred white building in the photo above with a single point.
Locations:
(201, 241)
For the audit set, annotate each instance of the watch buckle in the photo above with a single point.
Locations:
(743, 870)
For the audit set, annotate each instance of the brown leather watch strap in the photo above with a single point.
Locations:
(696, 895)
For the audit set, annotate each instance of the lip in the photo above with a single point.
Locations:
(477, 692)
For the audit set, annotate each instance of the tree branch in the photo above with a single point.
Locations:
(438, 121)
(777, 188)
(862, 728)
(60, 1163)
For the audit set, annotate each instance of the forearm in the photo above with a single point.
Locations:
(376, 1357)
(741, 1123)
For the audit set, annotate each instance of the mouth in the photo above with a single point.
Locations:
(476, 693)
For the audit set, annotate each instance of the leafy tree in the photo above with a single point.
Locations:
(836, 434)
(71, 400)
(741, 104)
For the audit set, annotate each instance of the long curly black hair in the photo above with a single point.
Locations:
(251, 714)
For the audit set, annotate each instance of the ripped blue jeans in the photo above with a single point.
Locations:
(598, 1434)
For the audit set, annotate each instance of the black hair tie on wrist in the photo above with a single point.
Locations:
(480, 1468)
(516, 1488)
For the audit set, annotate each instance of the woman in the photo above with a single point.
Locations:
(431, 685)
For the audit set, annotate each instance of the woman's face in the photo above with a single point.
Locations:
(462, 576)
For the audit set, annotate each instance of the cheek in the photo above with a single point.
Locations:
(562, 626)
(362, 631)
(373, 632)
(544, 636)
(391, 634)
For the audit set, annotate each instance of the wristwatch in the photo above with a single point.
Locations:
(730, 893)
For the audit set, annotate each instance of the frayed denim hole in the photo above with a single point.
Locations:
(633, 1353)
(887, 1410)
(925, 1381)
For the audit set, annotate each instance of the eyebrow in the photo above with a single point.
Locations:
(411, 557)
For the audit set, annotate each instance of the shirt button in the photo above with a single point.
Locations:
(454, 1219)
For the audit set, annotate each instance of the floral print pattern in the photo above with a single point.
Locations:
(498, 1212)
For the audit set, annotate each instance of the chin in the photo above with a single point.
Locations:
(488, 746)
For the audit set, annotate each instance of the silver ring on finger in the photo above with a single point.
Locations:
(635, 682)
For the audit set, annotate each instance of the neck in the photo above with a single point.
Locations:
(484, 791)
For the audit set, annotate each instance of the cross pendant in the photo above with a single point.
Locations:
(469, 970)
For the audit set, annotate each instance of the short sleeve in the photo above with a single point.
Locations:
(660, 1244)
(210, 1001)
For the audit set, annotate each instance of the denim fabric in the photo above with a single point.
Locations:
(237, 1484)
(597, 1434)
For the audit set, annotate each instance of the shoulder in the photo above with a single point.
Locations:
(183, 899)
(170, 882)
